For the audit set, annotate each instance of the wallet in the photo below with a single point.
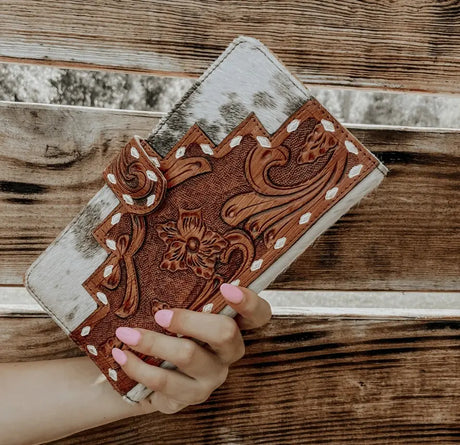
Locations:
(232, 185)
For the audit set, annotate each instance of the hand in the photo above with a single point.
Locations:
(200, 369)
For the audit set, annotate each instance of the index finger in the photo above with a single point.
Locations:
(253, 311)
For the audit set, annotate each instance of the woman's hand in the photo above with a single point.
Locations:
(42, 393)
(200, 369)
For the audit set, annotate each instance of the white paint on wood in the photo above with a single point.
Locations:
(180, 152)
(351, 147)
(328, 125)
(115, 219)
(280, 243)
(373, 313)
(305, 218)
(369, 300)
(113, 374)
(330, 194)
(128, 199)
(355, 171)
(102, 297)
(206, 148)
(111, 178)
(257, 264)
(293, 125)
(150, 200)
(111, 244)
(154, 160)
(208, 307)
(134, 152)
(263, 141)
(151, 175)
(235, 141)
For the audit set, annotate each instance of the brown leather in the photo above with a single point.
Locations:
(218, 213)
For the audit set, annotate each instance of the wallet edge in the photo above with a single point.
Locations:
(365, 186)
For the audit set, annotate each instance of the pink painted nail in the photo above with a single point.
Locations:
(128, 335)
(119, 356)
(231, 293)
(163, 317)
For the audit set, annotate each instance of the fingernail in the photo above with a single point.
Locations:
(128, 335)
(232, 293)
(163, 317)
(119, 356)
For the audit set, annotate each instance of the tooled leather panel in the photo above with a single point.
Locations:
(207, 214)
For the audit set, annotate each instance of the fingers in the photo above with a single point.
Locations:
(220, 332)
(253, 311)
(186, 354)
(199, 370)
(165, 404)
(169, 382)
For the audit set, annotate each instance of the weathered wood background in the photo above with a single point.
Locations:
(303, 380)
(395, 44)
(404, 236)
(306, 378)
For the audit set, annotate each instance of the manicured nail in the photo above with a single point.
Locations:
(119, 356)
(163, 317)
(232, 293)
(128, 335)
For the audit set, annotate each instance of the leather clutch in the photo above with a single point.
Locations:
(234, 183)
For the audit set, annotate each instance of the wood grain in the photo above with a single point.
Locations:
(405, 236)
(16, 301)
(303, 380)
(384, 44)
(53, 158)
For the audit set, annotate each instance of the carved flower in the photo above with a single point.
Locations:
(190, 244)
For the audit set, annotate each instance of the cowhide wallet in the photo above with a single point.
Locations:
(232, 185)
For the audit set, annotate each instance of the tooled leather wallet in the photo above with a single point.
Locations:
(235, 182)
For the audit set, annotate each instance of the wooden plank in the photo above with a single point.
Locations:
(395, 45)
(303, 380)
(16, 301)
(65, 150)
(405, 236)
